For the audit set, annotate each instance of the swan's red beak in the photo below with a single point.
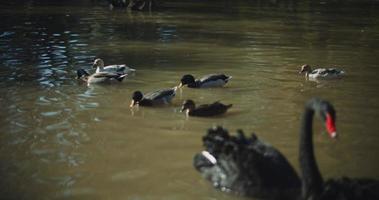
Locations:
(331, 126)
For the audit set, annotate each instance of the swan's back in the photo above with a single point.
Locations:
(274, 166)
(246, 166)
(350, 189)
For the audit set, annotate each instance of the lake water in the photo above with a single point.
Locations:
(60, 139)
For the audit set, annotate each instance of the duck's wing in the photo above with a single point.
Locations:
(115, 68)
(213, 80)
(105, 75)
(218, 104)
(108, 75)
(213, 109)
(319, 71)
(160, 94)
(119, 68)
(334, 71)
(213, 77)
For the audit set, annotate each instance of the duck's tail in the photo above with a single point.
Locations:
(228, 78)
(81, 73)
(229, 106)
(176, 88)
(121, 77)
(130, 69)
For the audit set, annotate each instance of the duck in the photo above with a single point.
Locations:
(205, 110)
(99, 77)
(99, 65)
(156, 98)
(246, 166)
(210, 80)
(321, 73)
(314, 187)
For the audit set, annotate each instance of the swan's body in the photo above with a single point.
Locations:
(159, 97)
(246, 166)
(100, 77)
(250, 167)
(205, 110)
(321, 73)
(313, 186)
(207, 81)
(123, 69)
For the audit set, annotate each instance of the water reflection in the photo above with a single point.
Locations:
(60, 138)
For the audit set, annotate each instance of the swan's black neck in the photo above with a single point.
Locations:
(311, 177)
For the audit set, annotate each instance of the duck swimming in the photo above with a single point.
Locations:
(99, 65)
(210, 80)
(99, 77)
(321, 73)
(205, 110)
(159, 97)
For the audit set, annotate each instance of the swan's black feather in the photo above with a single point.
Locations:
(246, 166)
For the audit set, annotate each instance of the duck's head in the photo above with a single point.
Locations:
(327, 113)
(98, 63)
(186, 79)
(137, 97)
(305, 68)
(81, 73)
(188, 105)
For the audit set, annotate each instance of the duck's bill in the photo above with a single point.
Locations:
(132, 103)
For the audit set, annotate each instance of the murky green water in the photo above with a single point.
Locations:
(61, 139)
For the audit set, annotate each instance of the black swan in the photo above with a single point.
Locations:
(313, 186)
(250, 167)
(246, 166)
(204, 110)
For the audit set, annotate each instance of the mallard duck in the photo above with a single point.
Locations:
(159, 97)
(210, 80)
(321, 73)
(99, 65)
(205, 110)
(99, 77)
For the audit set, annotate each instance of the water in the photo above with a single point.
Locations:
(61, 139)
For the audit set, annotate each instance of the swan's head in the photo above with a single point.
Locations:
(327, 112)
(188, 105)
(98, 63)
(136, 98)
(218, 163)
(305, 68)
(186, 79)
